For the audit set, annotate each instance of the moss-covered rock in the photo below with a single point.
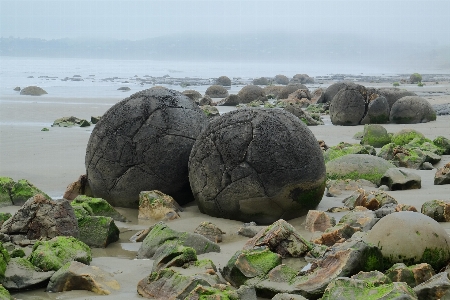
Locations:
(53, 254)
(4, 217)
(4, 260)
(6, 185)
(375, 135)
(98, 231)
(412, 275)
(97, 207)
(344, 148)
(70, 122)
(405, 136)
(172, 254)
(438, 210)
(21, 274)
(23, 190)
(33, 91)
(4, 294)
(443, 143)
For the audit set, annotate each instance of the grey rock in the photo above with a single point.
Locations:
(377, 112)
(437, 287)
(393, 94)
(216, 91)
(20, 274)
(251, 93)
(401, 179)
(411, 110)
(348, 106)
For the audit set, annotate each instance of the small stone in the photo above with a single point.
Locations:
(442, 175)
(400, 179)
(210, 231)
(155, 205)
(317, 220)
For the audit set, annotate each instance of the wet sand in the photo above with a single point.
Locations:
(52, 160)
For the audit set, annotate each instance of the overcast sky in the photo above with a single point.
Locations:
(423, 21)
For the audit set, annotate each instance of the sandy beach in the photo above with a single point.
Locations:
(52, 160)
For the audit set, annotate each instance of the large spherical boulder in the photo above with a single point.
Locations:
(393, 94)
(281, 79)
(272, 91)
(377, 112)
(332, 90)
(223, 80)
(257, 165)
(348, 107)
(411, 238)
(33, 91)
(143, 143)
(411, 110)
(251, 93)
(216, 91)
(289, 89)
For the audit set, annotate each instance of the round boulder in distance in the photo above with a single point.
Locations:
(332, 90)
(348, 107)
(411, 238)
(251, 93)
(412, 110)
(33, 91)
(143, 143)
(377, 112)
(257, 165)
(216, 91)
(393, 94)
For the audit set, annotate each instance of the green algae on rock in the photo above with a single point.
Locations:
(343, 148)
(375, 135)
(4, 260)
(97, 207)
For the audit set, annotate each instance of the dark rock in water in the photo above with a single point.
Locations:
(289, 89)
(251, 93)
(78, 276)
(442, 109)
(231, 100)
(94, 120)
(257, 165)
(442, 175)
(33, 91)
(223, 80)
(377, 112)
(437, 287)
(348, 106)
(124, 88)
(17, 88)
(21, 274)
(70, 121)
(393, 94)
(193, 95)
(41, 217)
(411, 110)
(399, 179)
(216, 91)
(143, 143)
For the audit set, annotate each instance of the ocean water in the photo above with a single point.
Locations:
(49, 72)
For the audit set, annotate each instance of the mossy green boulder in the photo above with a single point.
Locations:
(97, 207)
(375, 135)
(4, 294)
(70, 122)
(443, 143)
(358, 166)
(6, 184)
(4, 260)
(53, 254)
(405, 136)
(22, 190)
(4, 217)
(98, 231)
(343, 148)
(21, 274)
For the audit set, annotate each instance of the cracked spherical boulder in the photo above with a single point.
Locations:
(143, 143)
(257, 165)
(348, 106)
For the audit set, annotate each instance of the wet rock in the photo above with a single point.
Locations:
(265, 184)
(411, 238)
(401, 179)
(140, 235)
(95, 119)
(21, 274)
(438, 210)
(70, 122)
(172, 254)
(124, 88)
(55, 253)
(442, 175)
(210, 231)
(360, 217)
(41, 217)
(97, 207)
(250, 265)
(413, 275)
(155, 205)
(143, 143)
(347, 186)
(358, 166)
(78, 276)
(317, 220)
(405, 136)
(231, 100)
(375, 135)
(336, 234)
(251, 93)
(216, 91)
(412, 110)
(160, 233)
(33, 91)
(443, 143)
(437, 287)
(210, 111)
(282, 238)
(377, 112)
(343, 148)
(250, 229)
(79, 187)
(372, 200)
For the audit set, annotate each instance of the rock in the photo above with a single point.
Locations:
(155, 205)
(343, 148)
(375, 135)
(427, 166)
(210, 231)
(393, 94)
(276, 282)
(143, 143)
(411, 238)
(206, 100)
(79, 187)
(172, 254)
(223, 80)
(411, 110)
(6, 185)
(360, 217)
(98, 231)
(304, 116)
(4, 293)
(317, 220)
(272, 91)
(20, 191)
(140, 235)
(97, 207)
(439, 210)
(281, 238)
(193, 95)
(45, 129)
(300, 94)
(374, 278)
(251, 93)
(377, 112)
(222, 291)
(402, 157)
(160, 233)
(343, 288)
(372, 200)
(231, 100)
(251, 265)
(261, 81)
(281, 79)
(41, 217)
(338, 233)
(345, 259)
(33, 91)
(250, 229)
(413, 275)
(289, 89)
(257, 165)
(210, 111)
(4, 217)
(55, 253)
(405, 207)
(442, 175)
(216, 91)
(94, 120)
(124, 88)
(21, 274)
(348, 106)
(75, 275)
(302, 78)
(70, 122)
(347, 186)
(443, 143)
(358, 166)
(437, 287)
(405, 136)
(400, 179)
(286, 296)
(332, 90)
(4, 260)
(17, 89)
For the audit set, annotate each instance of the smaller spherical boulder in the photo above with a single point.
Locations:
(412, 110)
(377, 112)
(375, 135)
(216, 91)
(393, 94)
(405, 136)
(193, 95)
(223, 80)
(347, 107)
(33, 91)
(411, 238)
(332, 90)
(251, 93)
(281, 79)
(289, 89)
